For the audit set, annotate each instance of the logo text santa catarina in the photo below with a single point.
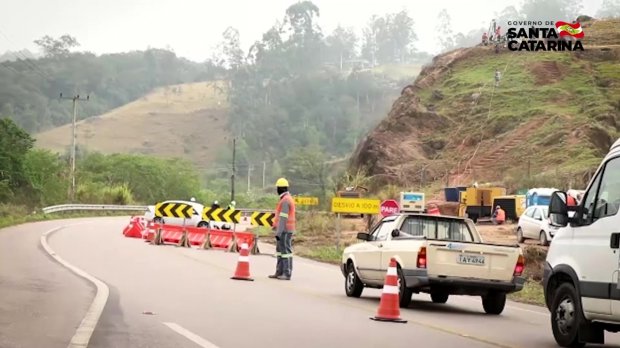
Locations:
(544, 36)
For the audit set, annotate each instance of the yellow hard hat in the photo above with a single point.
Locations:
(282, 183)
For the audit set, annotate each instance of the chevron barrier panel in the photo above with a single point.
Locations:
(262, 219)
(222, 215)
(174, 210)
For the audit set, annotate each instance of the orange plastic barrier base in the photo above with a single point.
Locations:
(135, 228)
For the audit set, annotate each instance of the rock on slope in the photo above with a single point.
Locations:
(558, 110)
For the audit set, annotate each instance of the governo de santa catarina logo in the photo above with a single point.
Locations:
(569, 29)
(544, 36)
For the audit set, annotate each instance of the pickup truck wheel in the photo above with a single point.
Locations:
(494, 302)
(352, 284)
(543, 239)
(439, 297)
(520, 238)
(566, 316)
(403, 292)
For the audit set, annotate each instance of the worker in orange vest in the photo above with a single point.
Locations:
(499, 215)
(284, 227)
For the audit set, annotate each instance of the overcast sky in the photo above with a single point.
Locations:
(192, 28)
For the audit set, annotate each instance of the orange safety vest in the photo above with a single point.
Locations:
(501, 215)
(290, 222)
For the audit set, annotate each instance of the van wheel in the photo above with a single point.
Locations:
(353, 287)
(494, 302)
(566, 316)
(543, 239)
(404, 293)
(439, 297)
(520, 238)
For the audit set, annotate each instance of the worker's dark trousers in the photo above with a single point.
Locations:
(284, 253)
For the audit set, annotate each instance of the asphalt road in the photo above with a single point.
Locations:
(165, 296)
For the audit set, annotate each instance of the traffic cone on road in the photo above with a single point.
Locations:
(243, 265)
(389, 309)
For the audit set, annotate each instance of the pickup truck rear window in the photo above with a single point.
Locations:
(432, 228)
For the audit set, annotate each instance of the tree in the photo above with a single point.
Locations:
(541, 10)
(14, 145)
(341, 45)
(45, 174)
(402, 35)
(231, 48)
(445, 36)
(57, 47)
(609, 9)
(307, 167)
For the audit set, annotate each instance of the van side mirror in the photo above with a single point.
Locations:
(363, 236)
(558, 209)
(395, 233)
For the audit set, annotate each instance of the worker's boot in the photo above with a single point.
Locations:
(278, 269)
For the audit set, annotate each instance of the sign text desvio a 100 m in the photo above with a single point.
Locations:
(355, 205)
(306, 200)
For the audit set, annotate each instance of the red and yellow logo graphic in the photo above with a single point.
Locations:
(569, 29)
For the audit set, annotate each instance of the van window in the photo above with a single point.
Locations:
(608, 198)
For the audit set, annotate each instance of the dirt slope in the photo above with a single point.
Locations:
(186, 121)
(550, 118)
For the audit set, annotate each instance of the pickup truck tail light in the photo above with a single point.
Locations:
(520, 266)
(421, 263)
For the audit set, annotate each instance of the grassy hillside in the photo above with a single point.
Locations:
(550, 119)
(187, 120)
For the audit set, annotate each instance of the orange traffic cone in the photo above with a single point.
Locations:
(243, 265)
(388, 307)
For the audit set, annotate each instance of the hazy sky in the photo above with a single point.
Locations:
(194, 27)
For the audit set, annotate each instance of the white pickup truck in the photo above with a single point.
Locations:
(439, 255)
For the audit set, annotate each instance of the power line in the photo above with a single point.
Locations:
(27, 61)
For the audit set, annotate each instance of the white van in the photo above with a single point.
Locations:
(581, 284)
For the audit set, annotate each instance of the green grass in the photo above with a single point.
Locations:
(532, 293)
(323, 253)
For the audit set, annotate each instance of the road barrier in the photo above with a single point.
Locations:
(204, 238)
(222, 215)
(136, 227)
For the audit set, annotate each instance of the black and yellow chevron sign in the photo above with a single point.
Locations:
(262, 219)
(221, 214)
(175, 210)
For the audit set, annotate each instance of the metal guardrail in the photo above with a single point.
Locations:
(104, 207)
(110, 207)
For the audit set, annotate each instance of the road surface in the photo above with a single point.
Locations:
(166, 296)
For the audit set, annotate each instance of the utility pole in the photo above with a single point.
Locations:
(75, 99)
(249, 177)
(264, 165)
(232, 177)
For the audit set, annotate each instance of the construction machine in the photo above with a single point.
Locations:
(477, 203)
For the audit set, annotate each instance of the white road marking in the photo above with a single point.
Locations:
(190, 335)
(89, 322)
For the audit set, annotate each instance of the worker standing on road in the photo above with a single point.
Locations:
(284, 226)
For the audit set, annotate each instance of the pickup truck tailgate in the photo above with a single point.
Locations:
(471, 260)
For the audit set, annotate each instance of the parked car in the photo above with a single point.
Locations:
(534, 224)
(196, 220)
(439, 255)
(580, 280)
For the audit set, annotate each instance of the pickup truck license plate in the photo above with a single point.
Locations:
(470, 259)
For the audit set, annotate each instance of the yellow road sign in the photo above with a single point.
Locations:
(221, 214)
(356, 205)
(175, 210)
(301, 200)
(262, 219)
